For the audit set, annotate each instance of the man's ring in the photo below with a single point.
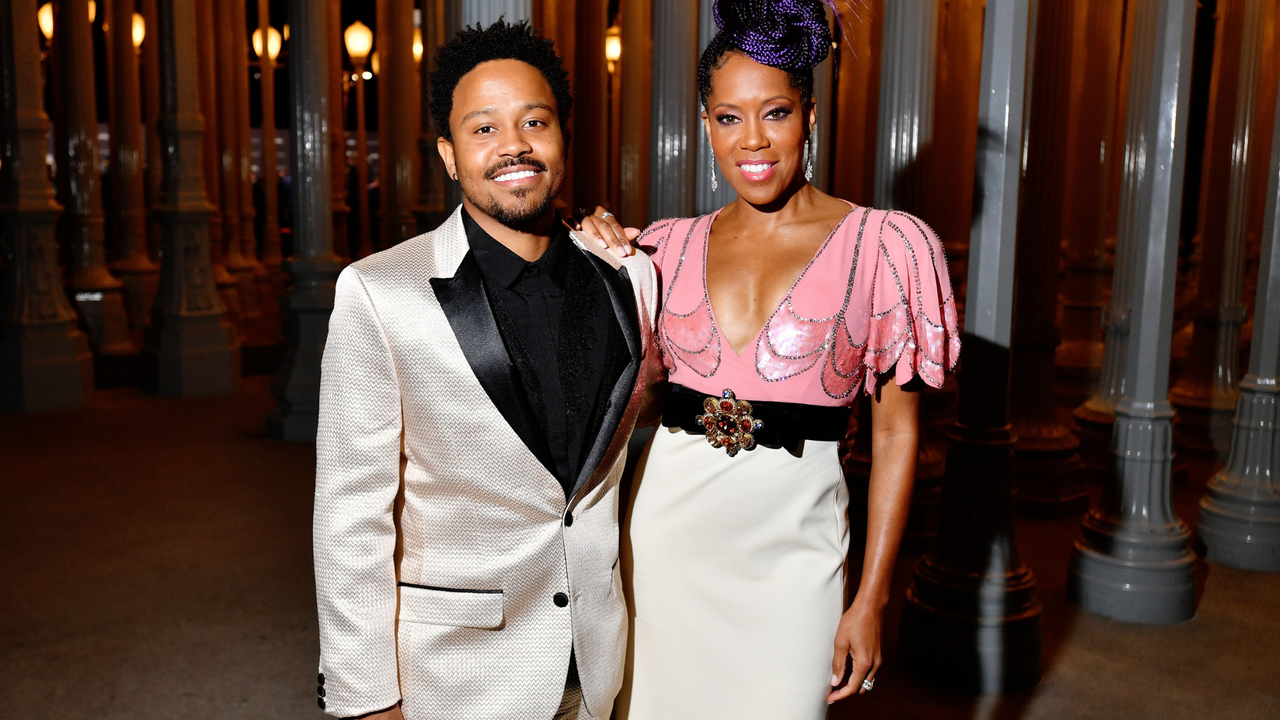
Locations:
(606, 214)
(868, 684)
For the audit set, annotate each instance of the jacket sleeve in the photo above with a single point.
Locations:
(354, 533)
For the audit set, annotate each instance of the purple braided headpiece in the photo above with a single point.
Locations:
(791, 35)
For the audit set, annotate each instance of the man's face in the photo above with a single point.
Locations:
(508, 148)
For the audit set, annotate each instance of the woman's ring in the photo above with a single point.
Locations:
(868, 684)
(606, 214)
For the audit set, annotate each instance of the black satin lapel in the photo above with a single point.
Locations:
(466, 305)
(623, 299)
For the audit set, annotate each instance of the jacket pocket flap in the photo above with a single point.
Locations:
(456, 608)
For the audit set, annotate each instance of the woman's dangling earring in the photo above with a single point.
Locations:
(714, 185)
(810, 146)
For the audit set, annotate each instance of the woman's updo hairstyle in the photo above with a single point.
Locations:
(791, 35)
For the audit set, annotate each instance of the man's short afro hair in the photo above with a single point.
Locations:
(500, 41)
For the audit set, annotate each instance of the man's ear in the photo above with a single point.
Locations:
(445, 148)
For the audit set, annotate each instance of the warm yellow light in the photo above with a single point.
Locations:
(273, 42)
(359, 40)
(93, 11)
(613, 44)
(374, 65)
(417, 45)
(139, 30)
(45, 16)
(286, 32)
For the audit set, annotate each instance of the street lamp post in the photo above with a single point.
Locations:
(268, 49)
(359, 40)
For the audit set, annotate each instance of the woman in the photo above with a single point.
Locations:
(796, 302)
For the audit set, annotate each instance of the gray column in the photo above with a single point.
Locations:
(44, 359)
(313, 268)
(674, 125)
(1134, 561)
(487, 12)
(131, 260)
(971, 620)
(1240, 516)
(707, 200)
(194, 352)
(903, 151)
(98, 296)
(907, 70)
(1205, 395)
(1048, 459)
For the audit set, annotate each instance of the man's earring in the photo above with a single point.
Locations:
(714, 185)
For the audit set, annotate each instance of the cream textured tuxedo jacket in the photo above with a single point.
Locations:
(443, 547)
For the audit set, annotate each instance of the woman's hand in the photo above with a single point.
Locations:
(858, 637)
(605, 229)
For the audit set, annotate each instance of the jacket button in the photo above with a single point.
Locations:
(561, 599)
(568, 519)
(320, 690)
(320, 702)
(320, 678)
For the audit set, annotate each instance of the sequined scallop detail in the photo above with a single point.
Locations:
(875, 298)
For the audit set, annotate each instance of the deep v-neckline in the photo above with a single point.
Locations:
(706, 289)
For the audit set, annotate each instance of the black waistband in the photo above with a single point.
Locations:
(783, 425)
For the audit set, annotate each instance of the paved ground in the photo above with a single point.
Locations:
(156, 563)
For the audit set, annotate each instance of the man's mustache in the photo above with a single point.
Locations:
(493, 172)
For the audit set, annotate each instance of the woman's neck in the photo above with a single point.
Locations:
(788, 208)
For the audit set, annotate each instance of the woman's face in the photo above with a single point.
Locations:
(757, 128)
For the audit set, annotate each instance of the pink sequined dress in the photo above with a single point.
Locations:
(735, 565)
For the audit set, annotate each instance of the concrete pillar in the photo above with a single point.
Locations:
(487, 12)
(971, 620)
(1205, 395)
(1240, 516)
(1091, 152)
(338, 131)
(398, 125)
(270, 172)
(131, 259)
(431, 208)
(636, 107)
(267, 330)
(192, 350)
(674, 120)
(1048, 459)
(1134, 561)
(904, 150)
(313, 268)
(211, 161)
(97, 295)
(230, 65)
(44, 359)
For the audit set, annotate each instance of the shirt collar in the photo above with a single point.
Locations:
(503, 266)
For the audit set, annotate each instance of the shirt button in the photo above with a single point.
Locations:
(568, 519)
(561, 599)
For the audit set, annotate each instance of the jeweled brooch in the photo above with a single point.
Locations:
(728, 423)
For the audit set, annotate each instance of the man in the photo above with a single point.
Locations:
(480, 383)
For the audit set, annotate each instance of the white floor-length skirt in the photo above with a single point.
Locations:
(734, 569)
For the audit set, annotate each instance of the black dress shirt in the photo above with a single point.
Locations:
(561, 331)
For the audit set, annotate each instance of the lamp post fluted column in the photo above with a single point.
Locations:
(398, 125)
(193, 352)
(674, 110)
(1048, 459)
(1205, 395)
(971, 620)
(1240, 516)
(431, 208)
(1134, 561)
(267, 330)
(338, 133)
(131, 261)
(97, 295)
(44, 359)
(313, 267)
(271, 257)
